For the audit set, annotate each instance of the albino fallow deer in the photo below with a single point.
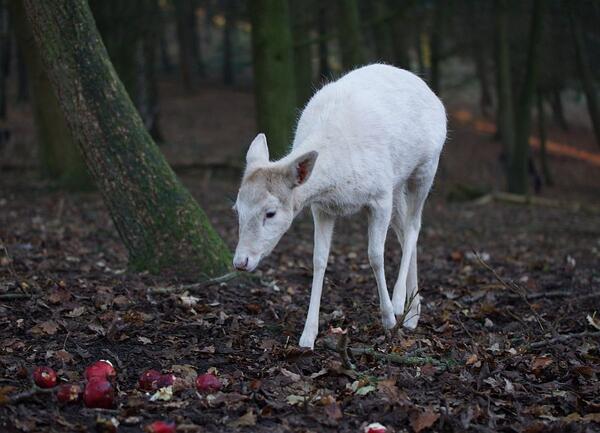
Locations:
(371, 139)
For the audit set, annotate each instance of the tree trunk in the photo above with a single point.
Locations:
(324, 69)
(4, 55)
(350, 39)
(129, 30)
(398, 34)
(197, 53)
(161, 225)
(518, 163)
(22, 77)
(587, 77)
(60, 158)
(302, 51)
(505, 115)
(419, 46)
(479, 54)
(228, 36)
(558, 111)
(436, 45)
(274, 84)
(542, 133)
(382, 32)
(183, 11)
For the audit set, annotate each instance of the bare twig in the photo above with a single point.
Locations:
(563, 337)
(515, 288)
(505, 197)
(196, 286)
(11, 296)
(342, 349)
(34, 391)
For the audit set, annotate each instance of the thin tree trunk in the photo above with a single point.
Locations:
(228, 36)
(60, 158)
(479, 54)
(183, 10)
(542, 133)
(436, 45)
(558, 109)
(302, 51)
(382, 31)
(587, 77)
(351, 44)
(398, 33)
(518, 166)
(196, 37)
(419, 46)
(22, 77)
(505, 116)
(130, 31)
(4, 55)
(159, 222)
(324, 69)
(274, 84)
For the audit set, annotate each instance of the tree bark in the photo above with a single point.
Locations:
(159, 222)
(519, 161)
(274, 84)
(505, 114)
(382, 32)
(4, 55)
(557, 108)
(228, 37)
(183, 11)
(302, 51)
(398, 33)
(60, 159)
(587, 77)
(351, 44)
(436, 45)
(542, 134)
(324, 69)
(129, 30)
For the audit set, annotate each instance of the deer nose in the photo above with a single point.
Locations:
(241, 264)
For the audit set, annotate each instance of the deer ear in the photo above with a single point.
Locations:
(258, 152)
(301, 168)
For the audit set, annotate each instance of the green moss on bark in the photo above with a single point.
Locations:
(161, 225)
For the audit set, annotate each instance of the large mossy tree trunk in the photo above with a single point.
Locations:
(519, 162)
(274, 83)
(159, 222)
(59, 157)
(351, 44)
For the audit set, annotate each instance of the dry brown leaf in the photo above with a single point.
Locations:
(539, 363)
(49, 328)
(333, 411)
(246, 420)
(419, 421)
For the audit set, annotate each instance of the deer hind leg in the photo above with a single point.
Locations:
(380, 214)
(406, 297)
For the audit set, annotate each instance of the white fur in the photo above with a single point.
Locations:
(378, 132)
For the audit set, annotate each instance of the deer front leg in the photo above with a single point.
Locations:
(379, 222)
(323, 231)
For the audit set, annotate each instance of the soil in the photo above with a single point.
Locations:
(497, 347)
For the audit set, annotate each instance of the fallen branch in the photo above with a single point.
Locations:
(196, 286)
(558, 294)
(34, 391)
(505, 197)
(11, 296)
(563, 337)
(407, 360)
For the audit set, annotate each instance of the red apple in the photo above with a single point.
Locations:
(99, 393)
(149, 380)
(165, 380)
(68, 393)
(375, 428)
(103, 369)
(208, 383)
(160, 427)
(44, 377)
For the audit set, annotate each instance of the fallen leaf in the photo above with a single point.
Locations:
(539, 363)
(49, 328)
(76, 312)
(333, 411)
(246, 420)
(419, 421)
(593, 321)
(294, 377)
(144, 340)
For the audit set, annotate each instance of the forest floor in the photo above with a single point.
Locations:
(507, 343)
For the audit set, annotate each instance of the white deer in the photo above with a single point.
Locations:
(371, 139)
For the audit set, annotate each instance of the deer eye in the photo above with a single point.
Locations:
(270, 214)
